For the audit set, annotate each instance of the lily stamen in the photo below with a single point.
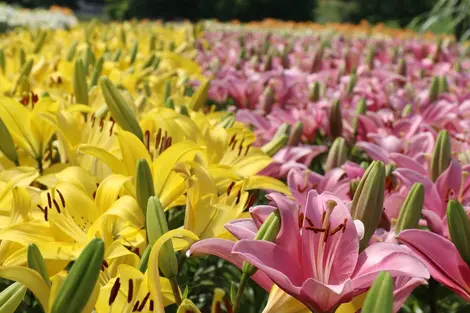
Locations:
(251, 201)
(114, 291)
(301, 220)
(232, 139)
(49, 200)
(56, 205)
(238, 197)
(158, 138)
(61, 197)
(112, 126)
(147, 139)
(315, 229)
(345, 222)
(93, 119)
(337, 229)
(131, 291)
(144, 302)
(229, 188)
(136, 305)
(247, 149)
(40, 208)
(151, 305)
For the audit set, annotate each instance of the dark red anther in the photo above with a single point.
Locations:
(323, 217)
(101, 124)
(136, 305)
(158, 138)
(45, 214)
(309, 220)
(62, 199)
(238, 197)
(25, 100)
(240, 147)
(315, 229)
(229, 188)
(247, 149)
(144, 302)
(59, 80)
(168, 142)
(232, 139)
(93, 118)
(114, 291)
(131, 291)
(302, 189)
(34, 97)
(40, 208)
(337, 229)
(251, 201)
(112, 127)
(345, 222)
(49, 201)
(301, 220)
(56, 205)
(151, 306)
(147, 139)
(228, 306)
(327, 232)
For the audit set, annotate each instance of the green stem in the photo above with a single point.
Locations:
(432, 296)
(240, 291)
(176, 290)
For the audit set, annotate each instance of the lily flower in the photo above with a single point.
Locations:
(323, 268)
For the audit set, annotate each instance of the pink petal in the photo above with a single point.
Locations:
(376, 152)
(441, 257)
(244, 228)
(403, 287)
(450, 179)
(390, 257)
(325, 298)
(223, 249)
(405, 161)
(274, 261)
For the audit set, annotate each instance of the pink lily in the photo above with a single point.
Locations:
(290, 158)
(316, 255)
(441, 258)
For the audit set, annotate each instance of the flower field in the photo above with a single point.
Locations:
(242, 168)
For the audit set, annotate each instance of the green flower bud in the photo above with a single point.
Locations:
(442, 155)
(88, 59)
(184, 110)
(134, 50)
(24, 74)
(116, 55)
(143, 184)
(123, 37)
(296, 134)
(434, 89)
(144, 259)
(410, 212)
(361, 109)
(156, 226)
(120, 110)
(438, 51)
(2, 62)
(96, 72)
(317, 59)
(267, 100)
(459, 228)
(167, 90)
(371, 57)
(336, 120)
(315, 92)
(227, 121)
(22, 57)
(39, 43)
(337, 155)
(353, 187)
(443, 85)
(407, 110)
(156, 63)
(380, 295)
(267, 232)
(11, 297)
(169, 104)
(153, 43)
(367, 204)
(149, 61)
(352, 83)
(36, 262)
(80, 282)
(402, 67)
(80, 88)
(72, 51)
(7, 146)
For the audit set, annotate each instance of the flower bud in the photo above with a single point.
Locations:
(120, 110)
(22, 57)
(442, 155)
(437, 53)
(434, 89)
(459, 228)
(156, 226)
(443, 85)
(337, 155)
(88, 59)
(276, 144)
(143, 184)
(7, 146)
(315, 92)
(227, 121)
(407, 110)
(371, 57)
(268, 232)
(11, 297)
(267, 100)
(39, 43)
(410, 212)
(184, 110)
(167, 90)
(336, 120)
(95, 75)
(296, 134)
(72, 51)
(81, 280)
(317, 59)
(367, 204)
(187, 306)
(402, 67)
(36, 262)
(458, 66)
(361, 109)
(134, 50)
(353, 187)
(352, 83)
(116, 56)
(380, 295)
(80, 88)
(169, 104)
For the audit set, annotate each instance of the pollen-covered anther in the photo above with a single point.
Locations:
(229, 188)
(114, 291)
(301, 220)
(147, 139)
(130, 291)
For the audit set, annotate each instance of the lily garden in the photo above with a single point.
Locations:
(263, 167)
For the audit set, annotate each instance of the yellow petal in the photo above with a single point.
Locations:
(132, 150)
(30, 279)
(108, 191)
(153, 270)
(110, 160)
(266, 183)
(353, 306)
(281, 302)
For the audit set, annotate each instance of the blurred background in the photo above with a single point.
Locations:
(441, 16)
